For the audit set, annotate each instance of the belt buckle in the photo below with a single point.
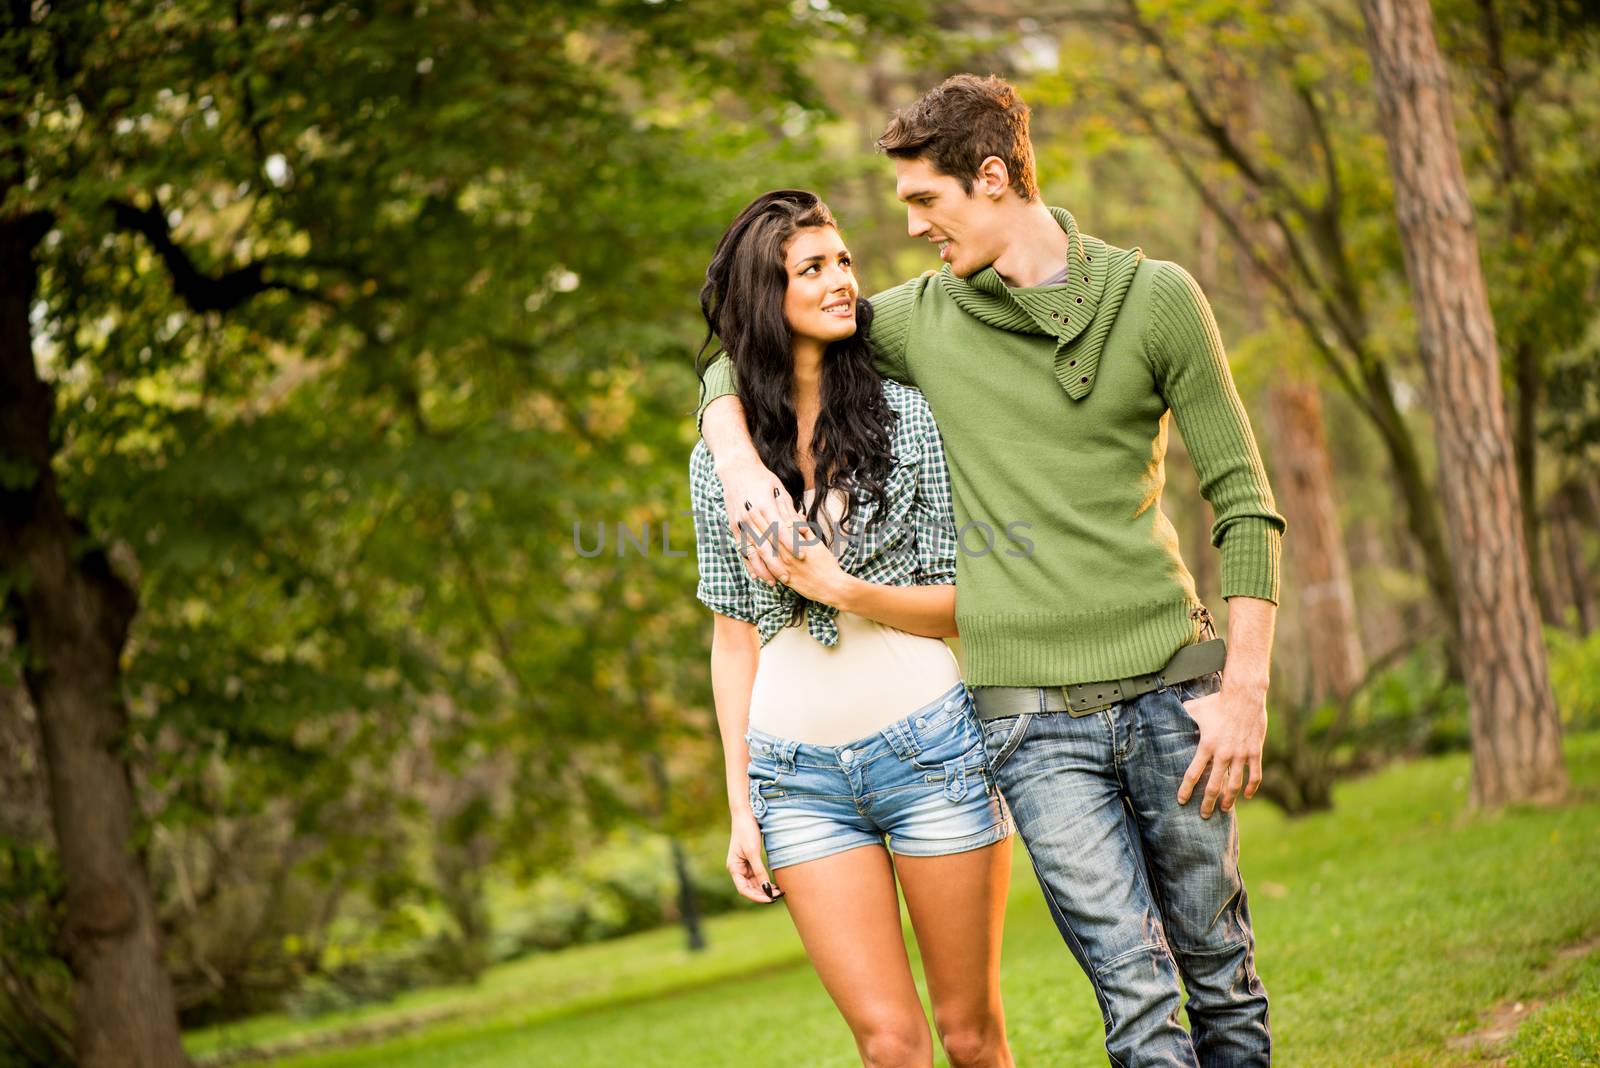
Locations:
(1094, 697)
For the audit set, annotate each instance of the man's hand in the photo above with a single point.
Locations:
(1233, 722)
(1233, 727)
(760, 514)
(759, 510)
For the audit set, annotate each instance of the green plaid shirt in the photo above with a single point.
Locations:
(912, 543)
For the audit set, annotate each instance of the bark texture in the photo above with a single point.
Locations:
(1516, 733)
(71, 611)
(1334, 659)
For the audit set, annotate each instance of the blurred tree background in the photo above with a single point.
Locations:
(349, 639)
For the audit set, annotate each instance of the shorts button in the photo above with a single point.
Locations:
(847, 756)
(921, 723)
(949, 706)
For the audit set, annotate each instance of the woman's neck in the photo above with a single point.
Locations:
(807, 399)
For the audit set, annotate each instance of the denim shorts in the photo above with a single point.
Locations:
(922, 782)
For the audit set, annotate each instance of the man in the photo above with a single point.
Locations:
(1051, 360)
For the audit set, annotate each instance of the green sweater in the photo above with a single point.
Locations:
(1053, 403)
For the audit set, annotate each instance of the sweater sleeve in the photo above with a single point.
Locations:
(890, 332)
(1185, 351)
(723, 587)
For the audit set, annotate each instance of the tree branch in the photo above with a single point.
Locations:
(1333, 203)
(200, 291)
(1240, 234)
(1213, 129)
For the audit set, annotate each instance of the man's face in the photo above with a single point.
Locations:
(939, 211)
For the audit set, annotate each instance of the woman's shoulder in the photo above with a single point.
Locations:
(916, 418)
(907, 400)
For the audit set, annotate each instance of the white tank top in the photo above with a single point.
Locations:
(808, 692)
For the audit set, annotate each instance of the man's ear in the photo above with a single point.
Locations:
(993, 178)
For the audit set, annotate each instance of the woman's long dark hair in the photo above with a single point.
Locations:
(742, 301)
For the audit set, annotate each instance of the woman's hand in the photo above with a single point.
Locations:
(744, 861)
(757, 510)
(814, 572)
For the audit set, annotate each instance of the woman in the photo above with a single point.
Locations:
(844, 720)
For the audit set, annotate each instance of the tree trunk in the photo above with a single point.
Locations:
(1317, 557)
(1516, 732)
(1500, 88)
(1525, 442)
(72, 613)
(1569, 533)
(688, 901)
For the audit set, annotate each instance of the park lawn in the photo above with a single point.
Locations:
(1566, 1032)
(1387, 930)
(523, 992)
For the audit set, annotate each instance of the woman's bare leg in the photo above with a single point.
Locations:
(957, 905)
(848, 916)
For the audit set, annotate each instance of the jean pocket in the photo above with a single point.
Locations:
(1200, 686)
(1002, 736)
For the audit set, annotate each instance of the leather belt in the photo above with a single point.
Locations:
(1087, 698)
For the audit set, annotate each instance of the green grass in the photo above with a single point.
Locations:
(1385, 929)
(526, 991)
(1567, 1032)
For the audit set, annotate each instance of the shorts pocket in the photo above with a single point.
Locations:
(762, 794)
(963, 774)
(954, 737)
(764, 786)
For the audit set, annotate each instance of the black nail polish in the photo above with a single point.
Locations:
(747, 506)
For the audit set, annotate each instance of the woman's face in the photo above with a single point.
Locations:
(820, 302)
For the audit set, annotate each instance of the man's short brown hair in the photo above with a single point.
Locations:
(963, 122)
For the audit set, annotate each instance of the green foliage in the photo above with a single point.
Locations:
(350, 313)
(1575, 677)
(623, 886)
(35, 979)
(1404, 709)
(1411, 709)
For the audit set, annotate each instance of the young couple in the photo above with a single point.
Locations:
(1096, 701)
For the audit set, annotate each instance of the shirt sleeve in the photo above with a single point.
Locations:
(724, 587)
(1185, 352)
(890, 333)
(933, 514)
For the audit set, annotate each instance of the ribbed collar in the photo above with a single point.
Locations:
(1078, 314)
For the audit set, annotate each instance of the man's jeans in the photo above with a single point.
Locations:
(1141, 888)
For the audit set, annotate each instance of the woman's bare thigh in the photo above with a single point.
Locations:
(848, 915)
